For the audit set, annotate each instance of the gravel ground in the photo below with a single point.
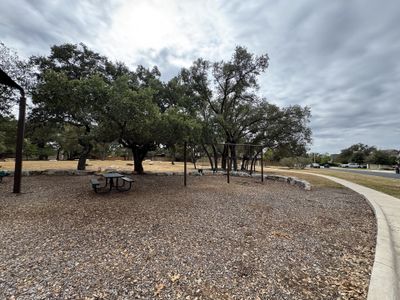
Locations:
(246, 240)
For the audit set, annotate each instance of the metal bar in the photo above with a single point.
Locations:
(184, 164)
(19, 144)
(262, 165)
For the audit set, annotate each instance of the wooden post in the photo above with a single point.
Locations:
(229, 167)
(184, 164)
(19, 144)
(262, 165)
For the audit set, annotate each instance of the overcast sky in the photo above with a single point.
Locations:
(342, 57)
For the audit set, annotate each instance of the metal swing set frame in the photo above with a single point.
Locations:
(228, 170)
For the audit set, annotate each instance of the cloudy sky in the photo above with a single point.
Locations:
(342, 57)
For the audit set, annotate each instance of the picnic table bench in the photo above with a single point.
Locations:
(3, 174)
(110, 184)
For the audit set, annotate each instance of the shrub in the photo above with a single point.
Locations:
(295, 162)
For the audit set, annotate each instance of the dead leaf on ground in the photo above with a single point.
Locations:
(174, 277)
(159, 288)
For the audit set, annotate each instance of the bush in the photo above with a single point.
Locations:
(294, 162)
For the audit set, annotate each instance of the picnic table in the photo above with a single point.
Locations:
(111, 182)
(3, 173)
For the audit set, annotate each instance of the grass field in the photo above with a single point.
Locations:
(314, 180)
(95, 165)
(385, 185)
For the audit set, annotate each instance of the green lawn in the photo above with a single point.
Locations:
(385, 185)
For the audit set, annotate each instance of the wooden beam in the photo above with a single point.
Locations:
(19, 145)
(184, 164)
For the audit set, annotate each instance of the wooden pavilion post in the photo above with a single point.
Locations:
(262, 165)
(229, 167)
(19, 144)
(6, 80)
(184, 164)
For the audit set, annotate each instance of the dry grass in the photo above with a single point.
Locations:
(385, 185)
(94, 165)
(314, 180)
(149, 166)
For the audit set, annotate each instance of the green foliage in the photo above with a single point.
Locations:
(8, 129)
(269, 155)
(381, 157)
(20, 71)
(177, 127)
(84, 105)
(73, 89)
(231, 103)
(224, 97)
(356, 153)
(320, 158)
(295, 162)
(29, 150)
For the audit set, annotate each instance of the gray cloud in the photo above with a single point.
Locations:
(338, 57)
(33, 26)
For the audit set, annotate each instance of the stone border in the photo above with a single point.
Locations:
(288, 179)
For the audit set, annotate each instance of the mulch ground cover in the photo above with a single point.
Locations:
(211, 240)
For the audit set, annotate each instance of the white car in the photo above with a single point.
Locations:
(353, 165)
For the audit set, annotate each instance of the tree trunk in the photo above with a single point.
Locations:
(194, 160)
(209, 156)
(139, 153)
(83, 156)
(224, 157)
(244, 163)
(215, 152)
(253, 162)
(87, 147)
(233, 157)
(137, 162)
(172, 151)
(82, 163)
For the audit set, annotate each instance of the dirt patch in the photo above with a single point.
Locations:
(210, 240)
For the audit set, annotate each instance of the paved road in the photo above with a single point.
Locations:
(365, 172)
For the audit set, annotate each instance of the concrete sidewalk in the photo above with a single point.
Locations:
(384, 283)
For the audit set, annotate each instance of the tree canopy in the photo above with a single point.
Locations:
(20, 71)
(83, 102)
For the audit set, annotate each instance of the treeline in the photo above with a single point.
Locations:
(83, 104)
(361, 154)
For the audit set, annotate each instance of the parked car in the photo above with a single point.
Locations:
(344, 165)
(353, 165)
(315, 165)
(327, 165)
(397, 169)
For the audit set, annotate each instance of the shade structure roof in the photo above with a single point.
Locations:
(6, 80)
